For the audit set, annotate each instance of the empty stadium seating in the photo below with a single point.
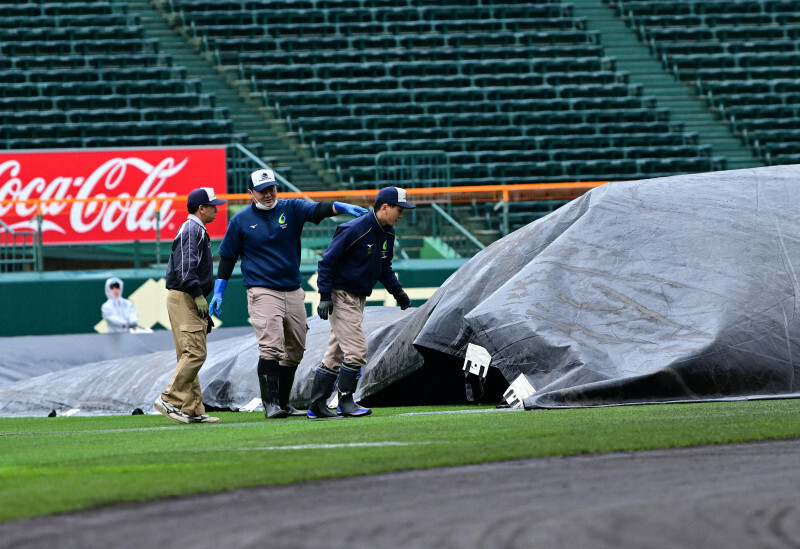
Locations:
(740, 55)
(512, 91)
(81, 74)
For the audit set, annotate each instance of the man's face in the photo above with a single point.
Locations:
(207, 213)
(267, 197)
(115, 291)
(389, 215)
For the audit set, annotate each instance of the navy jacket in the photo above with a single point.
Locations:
(359, 255)
(269, 243)
(190, 267)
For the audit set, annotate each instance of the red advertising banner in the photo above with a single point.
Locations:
(107, 195)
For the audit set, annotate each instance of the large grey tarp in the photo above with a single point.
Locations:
(123, 383)
(30, 356)
(674, 289)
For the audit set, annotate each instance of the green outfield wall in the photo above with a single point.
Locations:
(68, 302)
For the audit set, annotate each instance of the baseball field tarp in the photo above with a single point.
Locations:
(665, 290)
(134, 373)
(674, 289)
(31, 356)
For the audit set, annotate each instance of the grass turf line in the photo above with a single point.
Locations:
(50, 465)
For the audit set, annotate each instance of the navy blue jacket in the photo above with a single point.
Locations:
(269, 243)
(359, 255)
(190, 267)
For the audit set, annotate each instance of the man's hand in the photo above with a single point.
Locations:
(325, 306)
(355, 211)
(216, 301)
(403, 300)
(202, 306)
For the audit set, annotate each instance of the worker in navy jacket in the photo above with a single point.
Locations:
(359, 255)
(266, 236)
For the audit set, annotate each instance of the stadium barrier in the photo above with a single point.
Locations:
(161, 214)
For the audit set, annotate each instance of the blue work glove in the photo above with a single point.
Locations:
(325, 306)
(403, 300)
(216, 302)
(355, 211)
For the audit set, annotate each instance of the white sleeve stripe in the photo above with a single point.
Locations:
(200, 238)
(179, 237)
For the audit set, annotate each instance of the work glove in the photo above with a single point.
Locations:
(355, 211)
(403, 300)
(216, 301)
(325, 306)
(202, 306)
(210, 324)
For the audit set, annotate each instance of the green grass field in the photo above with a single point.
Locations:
(50, 465)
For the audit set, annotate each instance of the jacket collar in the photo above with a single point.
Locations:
(377, 224)
(196, 219)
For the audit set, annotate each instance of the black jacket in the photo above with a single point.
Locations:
(191, 268)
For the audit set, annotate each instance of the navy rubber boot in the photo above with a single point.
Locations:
(269, 384)
(321, 389)
(348, 381)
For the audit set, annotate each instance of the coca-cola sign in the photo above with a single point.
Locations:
(107, 195)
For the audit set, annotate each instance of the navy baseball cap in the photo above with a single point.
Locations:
(203, 196)
(259, 180)
(394, 195)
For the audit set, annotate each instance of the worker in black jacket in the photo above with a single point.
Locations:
(190, 277)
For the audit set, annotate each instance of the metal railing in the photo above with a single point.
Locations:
(433, 222)
(19, 250)
(452, 234)
(242, 162)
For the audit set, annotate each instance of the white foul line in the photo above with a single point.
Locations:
(444, 412)
(330, 446)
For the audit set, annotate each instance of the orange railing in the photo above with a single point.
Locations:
(477, 193)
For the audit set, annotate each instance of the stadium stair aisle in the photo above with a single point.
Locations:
(245, 114)
(633, 56)
(511, 92)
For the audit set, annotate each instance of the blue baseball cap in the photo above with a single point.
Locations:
(394, 195)
(203, 196)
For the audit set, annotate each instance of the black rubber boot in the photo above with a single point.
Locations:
(348, 381)
(269, 383)
(321, 389)
(285, 389)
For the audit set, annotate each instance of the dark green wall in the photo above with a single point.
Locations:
(68, 302)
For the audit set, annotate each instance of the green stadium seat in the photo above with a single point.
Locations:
(735, 52)
(82, 74)
(500, 83)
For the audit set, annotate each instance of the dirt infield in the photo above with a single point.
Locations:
(742, 495)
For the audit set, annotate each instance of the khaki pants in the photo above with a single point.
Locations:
(189, 333)
(347, 342)
(280, 323)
